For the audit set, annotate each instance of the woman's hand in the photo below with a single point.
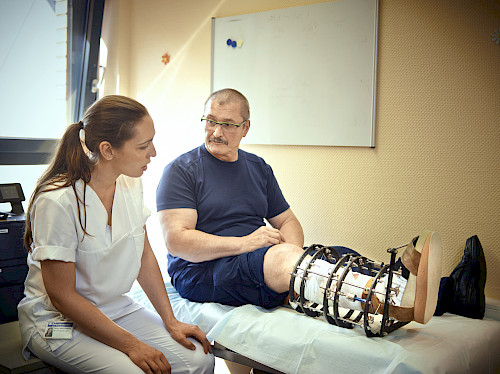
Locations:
(149, 359)
(182, 331)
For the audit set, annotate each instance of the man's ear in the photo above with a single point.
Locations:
(247, 127)
(106, 150)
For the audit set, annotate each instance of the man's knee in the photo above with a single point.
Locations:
(285, 253)
(278, 264)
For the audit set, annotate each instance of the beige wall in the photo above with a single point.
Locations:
(436, 164)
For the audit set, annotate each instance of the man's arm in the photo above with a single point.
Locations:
(183, 240)
(289, 226)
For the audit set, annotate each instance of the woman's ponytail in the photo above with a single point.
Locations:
(69, 164)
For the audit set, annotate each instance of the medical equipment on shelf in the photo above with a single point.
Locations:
(373, 318)
(12, 193)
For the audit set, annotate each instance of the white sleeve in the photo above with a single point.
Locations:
(54, 231)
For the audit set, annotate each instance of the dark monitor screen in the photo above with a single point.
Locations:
(11, 192)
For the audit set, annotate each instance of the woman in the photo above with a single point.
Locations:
(85, 229)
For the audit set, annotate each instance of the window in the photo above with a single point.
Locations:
(48, 59)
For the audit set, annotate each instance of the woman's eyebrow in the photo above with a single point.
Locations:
(147, 141)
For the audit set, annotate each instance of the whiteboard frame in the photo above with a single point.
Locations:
(359, 134)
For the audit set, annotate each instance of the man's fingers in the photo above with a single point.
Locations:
(282, 238)
(274, 235)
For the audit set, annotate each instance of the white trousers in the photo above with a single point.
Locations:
(83, 354)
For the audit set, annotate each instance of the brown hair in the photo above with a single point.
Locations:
(230, 95)
(110, 119)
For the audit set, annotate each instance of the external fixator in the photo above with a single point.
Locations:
(339, 297)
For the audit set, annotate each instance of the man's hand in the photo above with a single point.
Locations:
(262, 237)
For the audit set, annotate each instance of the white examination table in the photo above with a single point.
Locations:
(290, 342)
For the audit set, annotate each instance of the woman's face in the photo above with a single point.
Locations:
(135, 154)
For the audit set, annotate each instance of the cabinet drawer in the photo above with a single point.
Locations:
(11, 240)
(14, 274)
(10, 296)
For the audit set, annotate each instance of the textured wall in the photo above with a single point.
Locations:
(436, 163)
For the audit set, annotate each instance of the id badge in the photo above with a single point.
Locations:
(58, 330)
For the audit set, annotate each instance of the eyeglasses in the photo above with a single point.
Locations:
(226, 126)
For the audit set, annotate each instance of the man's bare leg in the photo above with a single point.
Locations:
(279, 262)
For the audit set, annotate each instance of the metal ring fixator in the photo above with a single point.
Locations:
(291, 289)
(388, 324)
(327, 295)
(301, 304)
(368, 309)
(363, 265)
(308, 308)
(332, 291)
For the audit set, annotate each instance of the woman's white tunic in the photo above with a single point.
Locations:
(107, 261)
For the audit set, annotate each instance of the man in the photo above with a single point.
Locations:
(212, 202)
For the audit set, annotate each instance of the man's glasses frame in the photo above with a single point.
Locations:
(210, 123)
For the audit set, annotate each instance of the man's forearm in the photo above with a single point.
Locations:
(293, 233)
(196, 246)
(185, 241)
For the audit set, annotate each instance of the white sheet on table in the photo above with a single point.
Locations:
(204, 315)
(301, 344)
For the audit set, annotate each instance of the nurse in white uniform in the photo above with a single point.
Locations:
(86, 232)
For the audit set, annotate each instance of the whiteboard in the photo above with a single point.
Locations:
(308, 72)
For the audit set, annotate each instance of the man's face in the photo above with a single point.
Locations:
(224, 143)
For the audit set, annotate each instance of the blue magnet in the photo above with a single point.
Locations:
(229, 42)
(233, 44)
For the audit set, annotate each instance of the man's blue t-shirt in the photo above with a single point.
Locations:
(231, 198)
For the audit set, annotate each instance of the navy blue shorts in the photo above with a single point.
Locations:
(234, 280)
